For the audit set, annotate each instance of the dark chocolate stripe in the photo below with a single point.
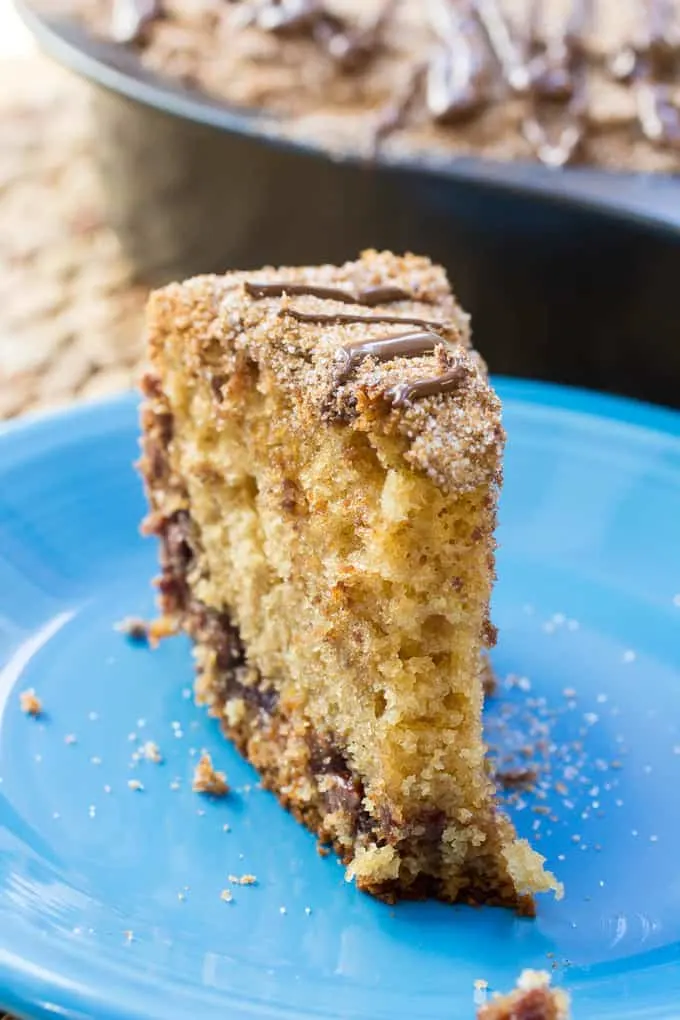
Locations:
(130, 18)
(654, 72)
(339, 318)
(349, 46)
(371, 296)
(384, 348)
(406, 392)
(460, 73)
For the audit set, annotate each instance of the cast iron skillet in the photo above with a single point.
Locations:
(569, 275)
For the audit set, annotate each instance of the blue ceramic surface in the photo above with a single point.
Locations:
(110, 897)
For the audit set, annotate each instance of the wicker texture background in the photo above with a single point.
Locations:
(70, 315)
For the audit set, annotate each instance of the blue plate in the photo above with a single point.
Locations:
(110, 897)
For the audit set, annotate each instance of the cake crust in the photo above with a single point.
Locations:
(457, 441)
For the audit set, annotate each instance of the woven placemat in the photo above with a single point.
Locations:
(70, 315)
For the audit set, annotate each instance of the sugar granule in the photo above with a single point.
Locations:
(152, 752)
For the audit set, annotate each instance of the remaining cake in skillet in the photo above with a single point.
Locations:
(322, 454)
(561, 81)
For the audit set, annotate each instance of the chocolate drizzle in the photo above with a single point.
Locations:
(370, 296)
(130, 18)
(557, 66)
(339, 318)
(393, 114)
(384, 348)
(381, 348)
(507, 52)
(460, 74)
(403, 345)
(652, 65)
(349, 47)
(477, 42)
(406, 392)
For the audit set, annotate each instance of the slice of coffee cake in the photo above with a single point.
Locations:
(322, 452)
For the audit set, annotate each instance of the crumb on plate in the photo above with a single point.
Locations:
(208, 780)
(134, 628)
(30, 703)
(152, 752)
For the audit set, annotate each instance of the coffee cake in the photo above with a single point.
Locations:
(559, 81)
(322, 454)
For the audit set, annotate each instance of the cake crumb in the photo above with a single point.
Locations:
(517, 778)
(227, 896)
(208, 780)
(163, 627)
(30, 703)
(129, 936)
(532, 998)
(480, 991)
(134, 628)
(243, 880)
(134, 784)
(152, 752)
(70, 738)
